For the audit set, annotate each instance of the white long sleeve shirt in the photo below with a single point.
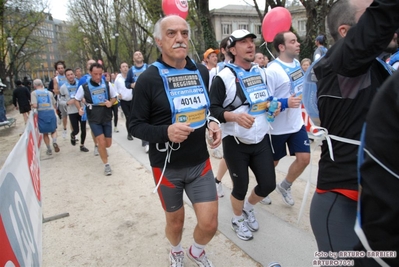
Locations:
(127, 94)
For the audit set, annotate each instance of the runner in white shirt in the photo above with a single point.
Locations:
(285, 78)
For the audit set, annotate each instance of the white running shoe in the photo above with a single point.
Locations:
(287, 197)
(116, 130)
(266, 201)
(64, 134)
(107, 170)
(218, 152)
(176, 259)
(241, 229)
(250, 220)
(219, 189)
(201, 261)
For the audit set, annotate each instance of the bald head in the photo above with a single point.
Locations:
(89, 63)
(37, 83)
(260, 59)
(344, 14)
(163, 22)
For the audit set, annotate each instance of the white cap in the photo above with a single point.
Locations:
(238, 35)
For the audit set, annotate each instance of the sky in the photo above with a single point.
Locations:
(59, 7)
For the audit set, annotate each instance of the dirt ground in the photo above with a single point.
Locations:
(116, 220)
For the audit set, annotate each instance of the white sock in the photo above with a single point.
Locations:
(285, 184)
(238, 218)
(177, 248)
(196, 249)
(248, 206)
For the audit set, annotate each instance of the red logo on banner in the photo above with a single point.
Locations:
(39, 136)
(33, 165)
(7, 256)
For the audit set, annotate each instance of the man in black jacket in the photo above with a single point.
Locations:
(21, 100)
(348, 78)
(380, 178)
(169, 110)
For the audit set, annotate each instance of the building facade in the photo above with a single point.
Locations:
(52, 33)
(233, 17)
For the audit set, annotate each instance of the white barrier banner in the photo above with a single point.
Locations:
(20, 201)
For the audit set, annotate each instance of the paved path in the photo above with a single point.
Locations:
(277, 239)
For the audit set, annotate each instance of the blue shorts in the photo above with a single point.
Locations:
(297, 143)
(197, 181)
(103, 128)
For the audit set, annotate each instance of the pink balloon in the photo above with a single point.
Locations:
(276, 20)
(175, 7)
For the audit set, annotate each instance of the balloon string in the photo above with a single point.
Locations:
(195, 51)
(270, 53)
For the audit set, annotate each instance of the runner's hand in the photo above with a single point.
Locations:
(244, 120)
(178, 132)
(294, 101)
(214, 134)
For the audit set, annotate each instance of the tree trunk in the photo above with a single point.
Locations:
(206, 23)
(316, 12)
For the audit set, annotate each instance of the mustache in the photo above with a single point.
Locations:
(179, 45)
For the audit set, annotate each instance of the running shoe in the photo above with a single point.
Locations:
(64, 134)
(266, 201)
(201, 261)
(129, 137)
(56, 148)
(116, 130)
(83, 149)
(219, 189)
(218, 152)
(287, 197)
(176, 259)
(73, 140)
(107, 170)
(49, 152)
(250, 220)
(241, 229)
(95, 152)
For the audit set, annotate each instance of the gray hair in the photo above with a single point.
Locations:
(37, 83)
(342, 12)
(158, 28)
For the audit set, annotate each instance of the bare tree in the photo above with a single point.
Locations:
(20, 22)
(316, 12)
(203, 15)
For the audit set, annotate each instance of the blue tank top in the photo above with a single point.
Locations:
(394, 58)
(254, 88)
(43, 100)
(99, 94)
(72, 89)
(296, 76)
(186, 93)
(61, 79)
(137, 71)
